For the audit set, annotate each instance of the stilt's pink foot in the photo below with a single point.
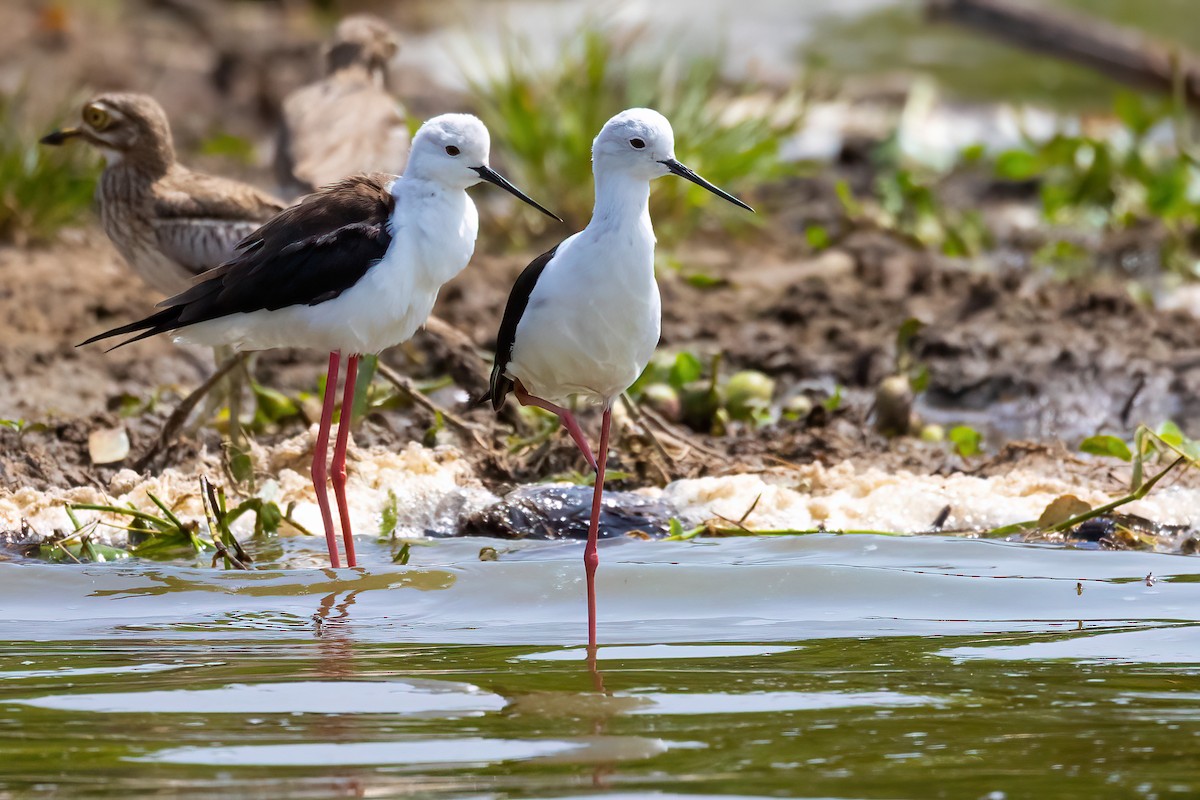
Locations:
(564, 416)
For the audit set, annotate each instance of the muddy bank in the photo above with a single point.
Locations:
(1015, 353)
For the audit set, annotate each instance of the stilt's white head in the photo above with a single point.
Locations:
(449, 149)
(640, 143)
(453, 150)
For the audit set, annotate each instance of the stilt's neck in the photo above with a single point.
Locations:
(621, 199)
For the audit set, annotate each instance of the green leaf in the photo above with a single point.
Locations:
(367, 365)
(846, 195)
(273, 405)
(241, 466)
(1171, 433)
(403, 554)
(817, 237)
(972, 153)
(1106, 446)
(834, 401)
(228, 145)
(1131, 108)
(1017, 165)
(391, 515)
(702, 280)
(967, 441)
(686, 369)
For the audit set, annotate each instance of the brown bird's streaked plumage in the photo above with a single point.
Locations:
(169, 222)
(347, 122)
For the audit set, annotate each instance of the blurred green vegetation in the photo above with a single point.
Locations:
(1140, 174)
(547, 117)
(42, 189)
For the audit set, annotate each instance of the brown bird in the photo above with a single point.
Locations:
(169, 222)
(347, 122)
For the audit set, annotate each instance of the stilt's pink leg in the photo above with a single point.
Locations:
(338, 467)
(591, 558)
(564, 416)
(319, 472)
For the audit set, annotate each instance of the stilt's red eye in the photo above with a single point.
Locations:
(451, 150)
(638, 144)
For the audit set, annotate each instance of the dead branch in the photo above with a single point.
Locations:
(1122, 54)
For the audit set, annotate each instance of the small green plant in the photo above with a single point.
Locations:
(906, 204)
(42, 189)
(166, 535)
(550, 116)
(150, 535)
(1118, 182)
(679, 388)
(966, 440)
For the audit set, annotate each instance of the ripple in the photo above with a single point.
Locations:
(74, 672)
(657, 651)
(1173, 645)
(417, 753)
(772, 702)
(409, 697)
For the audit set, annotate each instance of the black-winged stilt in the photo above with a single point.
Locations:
(583, 318)
(354, 268)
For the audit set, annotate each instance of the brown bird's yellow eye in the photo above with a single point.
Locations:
(96, 117)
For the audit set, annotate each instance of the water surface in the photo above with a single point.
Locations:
(818, 666)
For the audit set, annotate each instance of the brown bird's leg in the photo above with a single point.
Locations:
(565, 417)
(591, 558)
(339, 457)
(319, 472)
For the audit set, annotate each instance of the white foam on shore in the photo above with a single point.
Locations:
(431, 489)
(844, 497)
(426, 488)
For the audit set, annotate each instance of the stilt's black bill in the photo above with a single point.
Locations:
(491, 176)
(685, 173)
(59, 137)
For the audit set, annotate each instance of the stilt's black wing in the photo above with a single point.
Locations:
(305, 255)
(518, 299)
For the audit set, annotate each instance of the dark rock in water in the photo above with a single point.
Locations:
(562, 512)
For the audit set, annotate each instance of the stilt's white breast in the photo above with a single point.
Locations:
(593, 319)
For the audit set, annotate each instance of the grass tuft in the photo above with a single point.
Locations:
(546, 118)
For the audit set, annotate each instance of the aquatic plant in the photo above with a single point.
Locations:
(165, 534)
(730, 133)
(42, 189)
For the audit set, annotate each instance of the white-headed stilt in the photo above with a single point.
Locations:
(583, 318)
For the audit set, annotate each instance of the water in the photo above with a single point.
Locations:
(816, 666)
